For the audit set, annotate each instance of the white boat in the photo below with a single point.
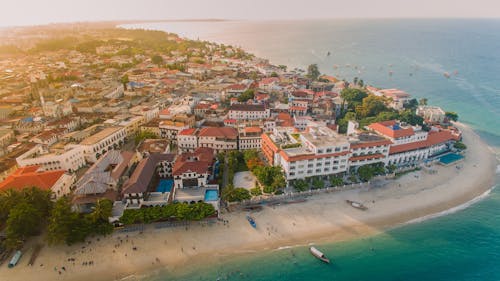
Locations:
(356, 205)
(318, 254)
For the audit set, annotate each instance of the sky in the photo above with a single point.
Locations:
(33, 12)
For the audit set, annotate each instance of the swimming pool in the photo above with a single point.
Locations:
(165, 185)
(450, 158)
(211, 195)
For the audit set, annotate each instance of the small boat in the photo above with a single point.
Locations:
(318, 254)
(251, 221)
(356, 205)
(446, 74)
(15, 259)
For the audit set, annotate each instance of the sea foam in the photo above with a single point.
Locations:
(451, 210)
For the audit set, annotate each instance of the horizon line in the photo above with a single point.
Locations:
(136, 21)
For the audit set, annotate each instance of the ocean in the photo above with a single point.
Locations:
(412, 55)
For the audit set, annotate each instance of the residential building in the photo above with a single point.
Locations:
(218, 138)
(240, 111)
(57, 157)
(397, 97)
(99, 143)
(432, 114)
(102, 179)
(57, 181)
(250, 138)
(139, 190)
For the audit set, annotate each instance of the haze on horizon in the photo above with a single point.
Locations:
(35, 12)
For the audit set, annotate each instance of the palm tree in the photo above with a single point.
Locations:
(102, 210)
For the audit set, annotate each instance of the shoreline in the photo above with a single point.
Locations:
(412, 198)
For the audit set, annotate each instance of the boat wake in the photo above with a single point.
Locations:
(451, 210)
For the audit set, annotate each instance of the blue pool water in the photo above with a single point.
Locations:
(165, 186)
(211, 195)
(450, 158)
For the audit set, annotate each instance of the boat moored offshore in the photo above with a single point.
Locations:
(318, 254)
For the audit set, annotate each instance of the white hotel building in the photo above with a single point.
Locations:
(319, 151)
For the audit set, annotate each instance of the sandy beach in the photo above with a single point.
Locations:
(322, 218)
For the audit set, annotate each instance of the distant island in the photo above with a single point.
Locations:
(127, 150)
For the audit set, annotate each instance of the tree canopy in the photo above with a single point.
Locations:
(313, 72)
(451, 115)
(232, 194)
(246, 95)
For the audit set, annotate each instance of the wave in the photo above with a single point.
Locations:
(451, 210)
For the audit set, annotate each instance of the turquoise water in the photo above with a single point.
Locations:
(464, 245)
(211, 195)
(450, 158)
(165, 185)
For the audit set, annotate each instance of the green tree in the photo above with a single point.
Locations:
(274, 74)
(353, 97)
(410, 117)
(144, 135)
(8, 199)
(24, 220)
(256, 191)
(451, 115)
(313, 72)
(232, 194)
(246, 95)
(366, 172)
(158, 60)
(411, 104)
(336, 181)
(62, 222)
(300, 185)
(459, 145)
(318, 183)
(124, 80)
(422, 101)
(371, 106)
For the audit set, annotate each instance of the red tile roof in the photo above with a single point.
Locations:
(269, 80)
(237, 87)
(301, 108)
(230, 121)
(433, 138)
(28, 177)
(253, 130)
(386, 128)
(223, 132)
(199, 162)
(187, 132)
